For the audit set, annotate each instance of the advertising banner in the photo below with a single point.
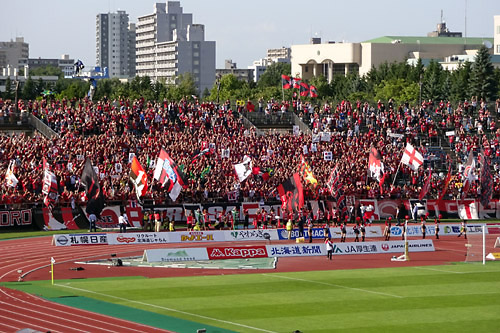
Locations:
(80, 239)
(172, 255)
(318, 233)
(299, 250)
(452, 229)
(196, 236)
(138, 238)
(296, 250)
(251, 235)
(237, 252)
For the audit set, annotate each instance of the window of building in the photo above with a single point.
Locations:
(196, 54)
(498, 48)
(498, 29)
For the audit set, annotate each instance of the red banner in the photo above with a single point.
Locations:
(241, 252)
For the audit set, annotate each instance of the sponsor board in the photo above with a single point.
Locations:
(318, 233)
(253, 234)
(299, 250)
(80, 239)
(196, 236)
(444, 229)
(296, 250)
(138, 238)
(239, 252)
(173, 255)
(374, 231)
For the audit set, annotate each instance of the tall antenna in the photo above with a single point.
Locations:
(441, 16)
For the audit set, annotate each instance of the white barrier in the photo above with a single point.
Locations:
(170, 255)
(452, 229)
(373, 231)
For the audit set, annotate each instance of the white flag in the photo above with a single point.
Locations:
(10, 178)
(468, 211)
(412, 158)
(243, 169)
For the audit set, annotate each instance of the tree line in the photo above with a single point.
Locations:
(398, 80)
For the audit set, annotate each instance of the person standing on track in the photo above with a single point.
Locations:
(423, 228)
(436, 228)
(122, 222)
(329, 248)
(463, 229)
(343, 232)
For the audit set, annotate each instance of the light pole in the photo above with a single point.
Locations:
(218, 87)
(420, 92)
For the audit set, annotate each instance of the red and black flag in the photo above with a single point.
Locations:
(95, 203)
(169, 175)
(139, 178)
(313, 92)
(304, 89)
(486, 181)
(286, 81)
(296, 82)
(291, 194)
(375, 165)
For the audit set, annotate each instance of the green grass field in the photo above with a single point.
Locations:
(451, 298)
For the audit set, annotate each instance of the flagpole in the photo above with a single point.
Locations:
(282, 91)
(394, 180)
(52, 269)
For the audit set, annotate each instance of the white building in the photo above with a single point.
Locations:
(168, 44)
(115, 44)
(282, 55)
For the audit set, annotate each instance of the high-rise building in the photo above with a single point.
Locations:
(11, 52)
(168, 44)
(115, 44)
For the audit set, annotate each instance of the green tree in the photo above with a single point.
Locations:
(8, 89)
(272, 75)
(432, 83)
(459, 80)
(47, 71)
(483, 84)
(29, 89)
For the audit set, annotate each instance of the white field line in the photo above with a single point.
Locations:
(334, 285)
(167, 309)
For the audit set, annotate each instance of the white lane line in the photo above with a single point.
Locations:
(334, 285)
(167, 309)
(85, 318)
(31, 319)
(9, 326)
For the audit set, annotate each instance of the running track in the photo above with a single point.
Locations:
(19, 310)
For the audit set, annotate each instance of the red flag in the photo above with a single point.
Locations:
(138, 178)
(375, 165)
(286, 81)
(304, 89)
(313, 92)
(426, 186)
(446, 183)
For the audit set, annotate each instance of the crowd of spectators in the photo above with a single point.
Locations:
(197, 135)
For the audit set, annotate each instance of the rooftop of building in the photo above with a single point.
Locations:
(429, 40)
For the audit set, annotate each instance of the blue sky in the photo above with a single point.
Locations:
(244, 30)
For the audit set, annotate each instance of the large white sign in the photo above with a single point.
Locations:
(316, 249)
(80, 239)
(138, 238)
(170, 255)
(252, 234)
(444, 229)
